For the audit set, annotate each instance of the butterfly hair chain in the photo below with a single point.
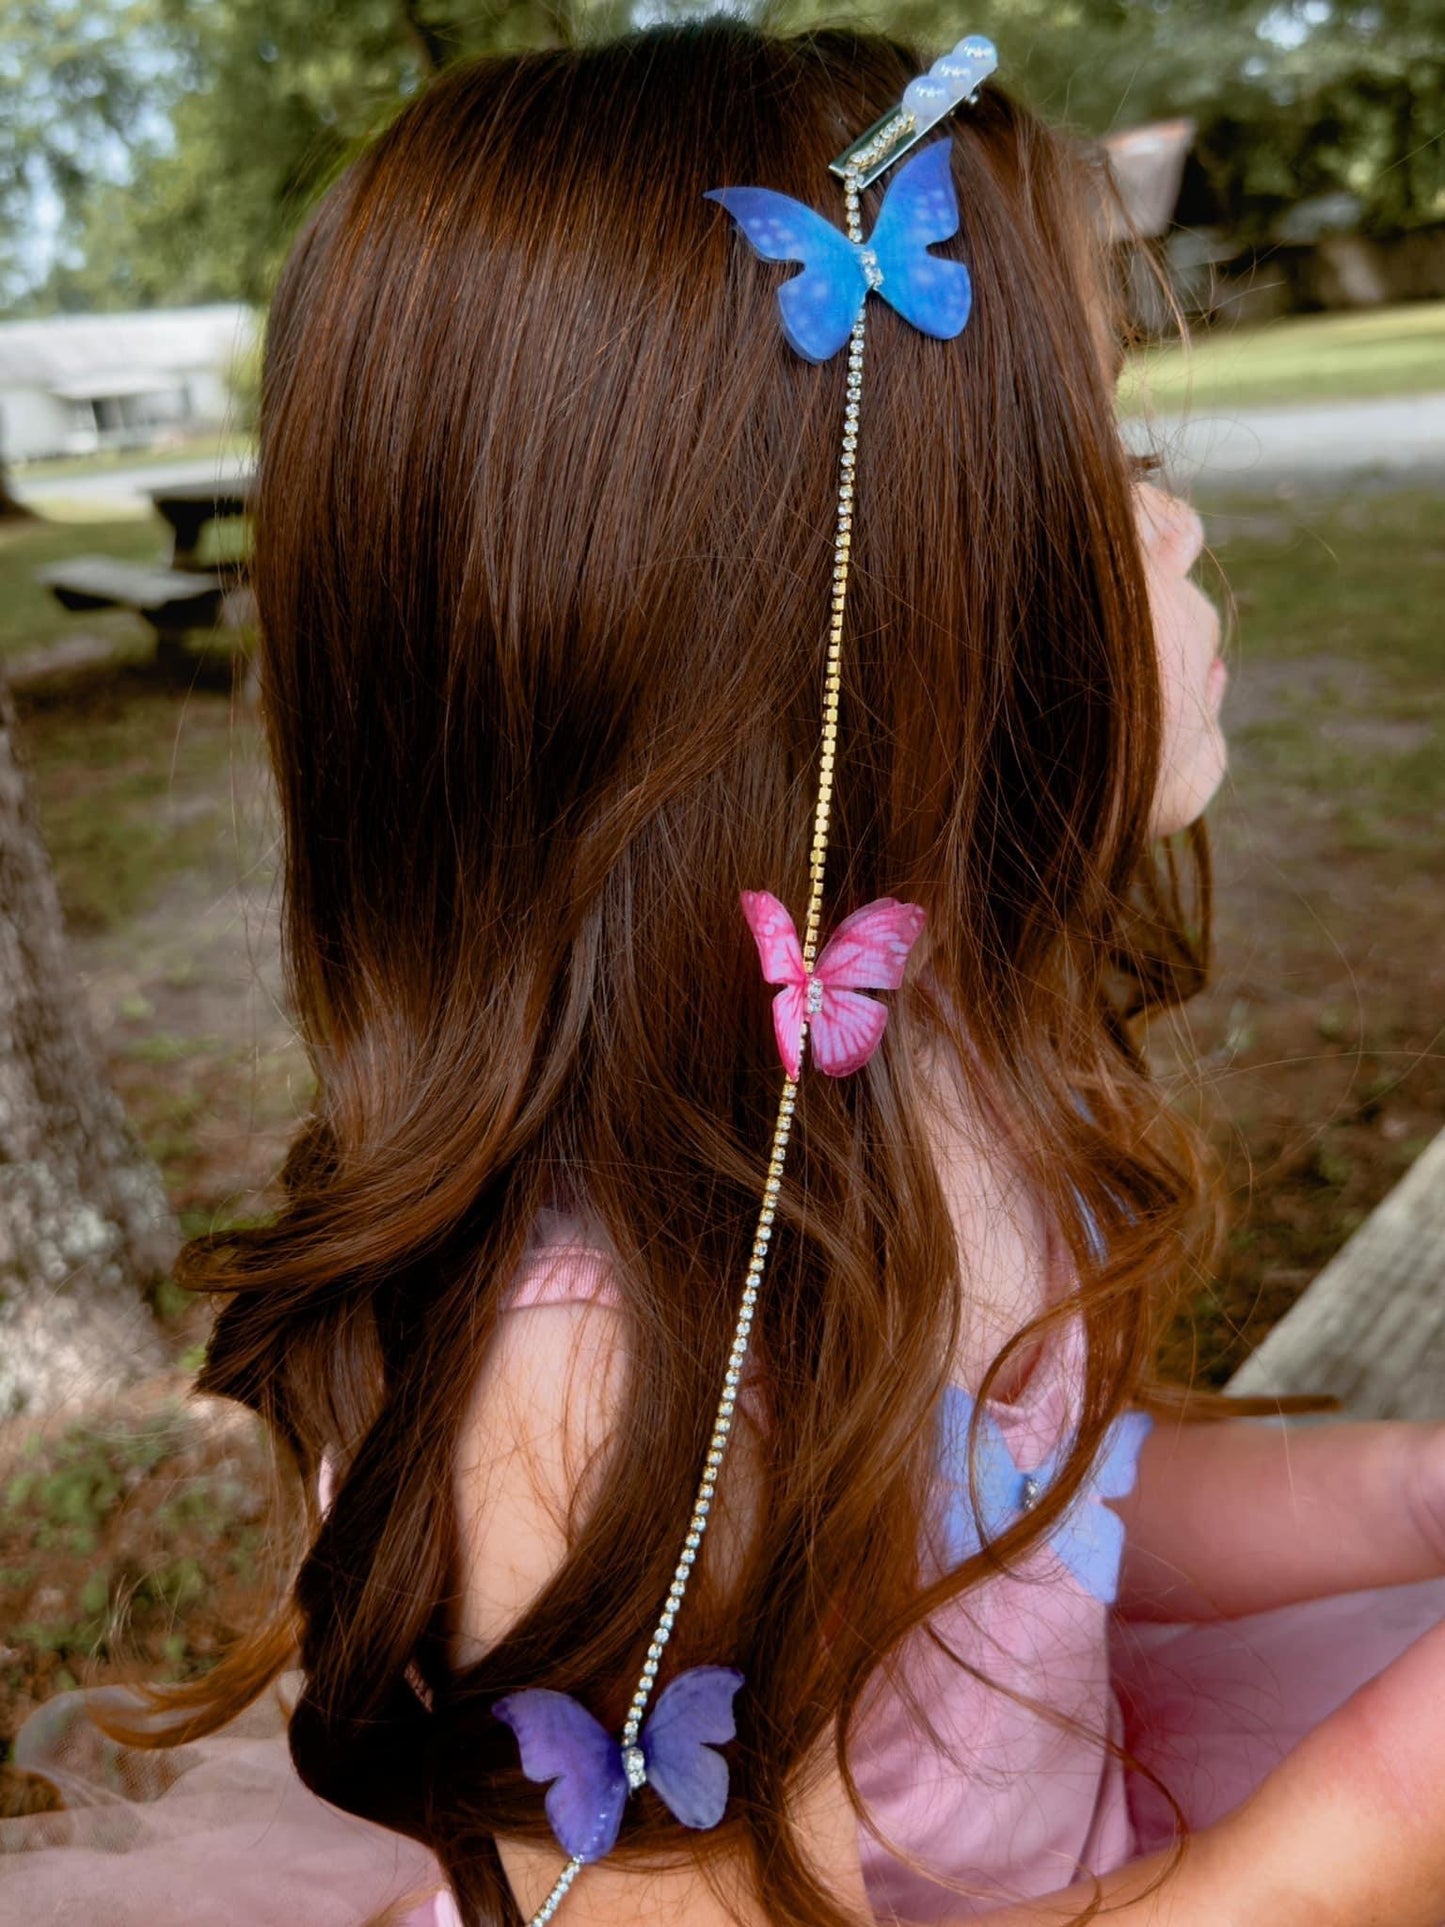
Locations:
(632, 1759)
(560, 1741)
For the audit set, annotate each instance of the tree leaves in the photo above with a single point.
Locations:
(179, 143)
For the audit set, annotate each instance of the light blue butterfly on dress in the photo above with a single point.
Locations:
(821, 304)
(1088, 1540)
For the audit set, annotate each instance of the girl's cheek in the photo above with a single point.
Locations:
(1192, 678)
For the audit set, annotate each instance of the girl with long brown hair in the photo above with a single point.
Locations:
(547, 526)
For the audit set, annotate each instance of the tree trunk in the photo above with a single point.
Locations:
(11, 508)
(85, 1224)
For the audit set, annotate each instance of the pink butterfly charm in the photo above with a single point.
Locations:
(868, 951)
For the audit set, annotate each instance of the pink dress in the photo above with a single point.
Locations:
(973, 1795)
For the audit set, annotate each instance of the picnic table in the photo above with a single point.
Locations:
(190, 508)
(1371, 1327)
(175, 598)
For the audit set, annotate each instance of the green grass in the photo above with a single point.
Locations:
(1360, 578)
(221, 444)
(1304, 358)
(1351, 591)
(133, 781)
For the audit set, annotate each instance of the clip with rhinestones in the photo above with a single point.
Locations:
(954, 78)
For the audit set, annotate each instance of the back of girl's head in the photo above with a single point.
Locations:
(543, 551)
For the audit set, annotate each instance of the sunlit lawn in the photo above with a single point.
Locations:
(224, 444)
(1304, 358)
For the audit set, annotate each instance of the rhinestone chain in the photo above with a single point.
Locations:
(782, 1128)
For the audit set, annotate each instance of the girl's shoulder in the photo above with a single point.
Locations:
(538, 1429)
(545, 1417)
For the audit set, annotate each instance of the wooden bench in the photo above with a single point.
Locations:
(1371, 1328)
(172, 601)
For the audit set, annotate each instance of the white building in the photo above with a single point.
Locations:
(73, 383)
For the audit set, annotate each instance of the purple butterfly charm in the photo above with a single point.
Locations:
(821, 304)
(592, 1776)
(1088, 1539)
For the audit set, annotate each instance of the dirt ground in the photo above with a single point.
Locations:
(1315, 1058)
(1318, 1062)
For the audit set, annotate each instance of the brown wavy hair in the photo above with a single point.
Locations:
(542, 557)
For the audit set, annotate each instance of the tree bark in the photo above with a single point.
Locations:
(85, 1225)
(12, 509)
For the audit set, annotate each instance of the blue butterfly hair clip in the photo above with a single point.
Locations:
(1088, 1540)
(591, 1774)
(821, 304)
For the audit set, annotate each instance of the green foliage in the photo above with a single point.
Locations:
(82, 86)
(186, 139)
(253, 106)
(1290, 100)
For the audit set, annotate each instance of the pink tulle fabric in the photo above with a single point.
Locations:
(217, 1833)
(974, 1796)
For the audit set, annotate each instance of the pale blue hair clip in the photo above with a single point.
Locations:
(591, 1775)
